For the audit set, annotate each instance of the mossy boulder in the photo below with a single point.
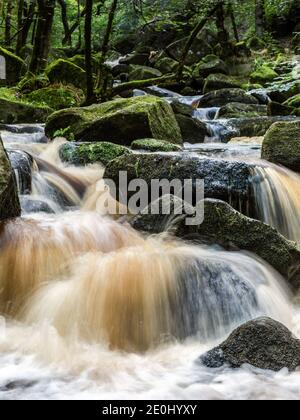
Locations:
(192, 130)
(222, 97)
(220, 81)
(59, 97)
(153, 145)
(64, 71)
(264, 74)
(9, 201)
(143, 73)
(238, 110)
(293, 102)
(15, 110)
(263, 343)
(210, 64)
(166, 65)
(121, 121)
(281, 145)
(14, 66)
(88, 153)
(31, 82)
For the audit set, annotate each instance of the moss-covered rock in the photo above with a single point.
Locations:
(9, 201)
(255, 43)
(282, 145)
(15, 110)
(88, 153)
(31, 82)
(264, 74)
(293, 102)
(222, 97)
(220, 81)
(60, 97)
(282, 91)
(210, 64)
(152, 145)
(166, 65)
(64, 71)
(143, 73)
(274, 108)
(120, 121)
(14, 66)
(237, 110)
(262, 343)
(192, 130)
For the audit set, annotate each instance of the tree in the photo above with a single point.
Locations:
(259, 17)
(90, 97)
(42, 39)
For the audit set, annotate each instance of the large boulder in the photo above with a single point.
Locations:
(64, 71)
(228, 228)
(14, 65)
(238, 110)
(120, 121)
(265, 74)
(222, 97)
(210, 64)
(15, 111)
(281, 145)
(88, 153)
(263, 343)
(9, 201)
(143, 73)
(220, 81)
(57, 97)
(225, 180)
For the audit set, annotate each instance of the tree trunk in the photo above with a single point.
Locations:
(42, 39)
(9, 10)
(260, 17)
(64, 17)
(233, 21)
(88, 53)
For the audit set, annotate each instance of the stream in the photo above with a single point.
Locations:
(94, 310)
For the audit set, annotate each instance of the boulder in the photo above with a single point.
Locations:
(220, 81)
(57, 97)
(64, 71)
(14, 66)
(282, 91)
(153, 145)
(88, 153)
(225, 180)
(210, 64)
(166, 65)
(265, 74)
(275, 108)
(120, 121)
(294, 101)
(9, 201)
(143, 73)
(192, 130)
(263, 343)
(281, 145)
(222, 97)
(17, 112)
(238, 110)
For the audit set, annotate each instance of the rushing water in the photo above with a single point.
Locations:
(92, 309)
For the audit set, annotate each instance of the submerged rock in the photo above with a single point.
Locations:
(120, 121)
(262, 343)
(222, 97)
(9, 201)
(152, 145)
(88, 153)
(281, 145)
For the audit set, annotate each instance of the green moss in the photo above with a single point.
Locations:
(121, 121)
(263, 75)
(31, 82)
(57, 97)
(282, 144)
(64, 71)
(143, 73)
(236, 110)
(293, 102)
(84, 154)
(255, 43)
(220, 81)
(210, 64)
(152, 145)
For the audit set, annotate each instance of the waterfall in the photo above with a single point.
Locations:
(277, 194)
